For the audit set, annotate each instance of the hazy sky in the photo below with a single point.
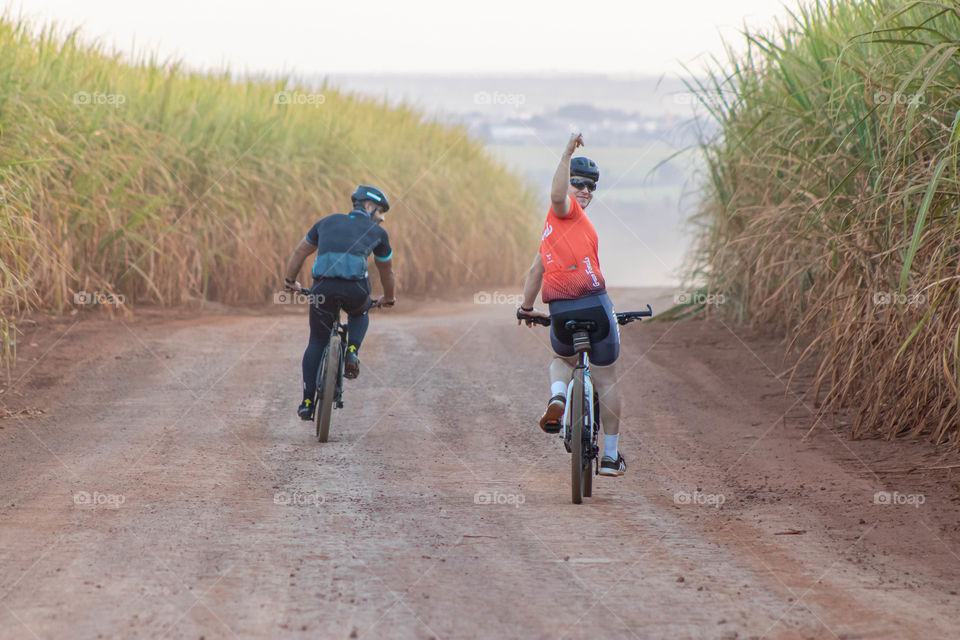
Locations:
(425, 36)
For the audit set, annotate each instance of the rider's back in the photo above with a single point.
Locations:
(344, 242)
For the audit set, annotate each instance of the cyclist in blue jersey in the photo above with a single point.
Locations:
(343, 243)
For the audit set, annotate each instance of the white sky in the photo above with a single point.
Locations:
(417, 36)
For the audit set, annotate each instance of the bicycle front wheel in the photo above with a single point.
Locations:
(587, 476)
(327, 385)
(591, 442)
(578, 417)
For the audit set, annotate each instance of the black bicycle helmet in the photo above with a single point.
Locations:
(585, 168)
(364, 192)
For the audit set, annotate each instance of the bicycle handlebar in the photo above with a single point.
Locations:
(629, 316)
(534, 319)
(622, 318)
(307, 292)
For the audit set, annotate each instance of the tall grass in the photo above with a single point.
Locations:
(831, 208)
(145, 180)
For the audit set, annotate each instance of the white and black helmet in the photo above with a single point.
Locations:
(373, 194)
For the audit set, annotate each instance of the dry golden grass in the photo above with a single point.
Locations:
(157, 184)
(831, 209)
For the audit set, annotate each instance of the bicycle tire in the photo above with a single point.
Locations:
(591, 461)
(327, 384)
(588, 478)
(576, 439)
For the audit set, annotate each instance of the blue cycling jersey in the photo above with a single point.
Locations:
(344, 242)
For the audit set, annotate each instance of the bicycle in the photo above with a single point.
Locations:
(582, 411)
(329, 393)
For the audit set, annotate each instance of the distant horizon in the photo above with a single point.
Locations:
(505, 97)
(505, 74)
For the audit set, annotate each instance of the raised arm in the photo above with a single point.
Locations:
(561, 179)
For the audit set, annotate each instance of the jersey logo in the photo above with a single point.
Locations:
(547, 231)
(589, 270)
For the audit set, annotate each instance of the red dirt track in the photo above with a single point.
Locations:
(168, 490)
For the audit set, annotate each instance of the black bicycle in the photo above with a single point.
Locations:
(329, 393)
(581, 417)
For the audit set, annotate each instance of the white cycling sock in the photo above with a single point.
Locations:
(558, 388)
(610, 445)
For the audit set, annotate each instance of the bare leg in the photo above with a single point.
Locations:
(561, 370)
(605, 379)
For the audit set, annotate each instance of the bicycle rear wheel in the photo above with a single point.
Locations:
(326, 386)
(577, 419)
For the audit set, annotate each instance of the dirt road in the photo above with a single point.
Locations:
(169, 490)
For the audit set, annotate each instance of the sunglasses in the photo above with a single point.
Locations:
(580, 183)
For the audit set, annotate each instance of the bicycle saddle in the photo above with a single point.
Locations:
(593, 320)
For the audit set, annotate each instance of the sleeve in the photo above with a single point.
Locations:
(575, 211)
(313, 236)
(382, 252)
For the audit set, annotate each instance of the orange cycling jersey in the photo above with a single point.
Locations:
(568, 251)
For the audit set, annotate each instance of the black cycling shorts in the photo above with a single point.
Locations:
(605, 340)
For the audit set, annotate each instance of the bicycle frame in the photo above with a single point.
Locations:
(591, 428)
(590, 392)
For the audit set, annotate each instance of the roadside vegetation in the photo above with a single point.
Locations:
(140, 182)
(830, 209)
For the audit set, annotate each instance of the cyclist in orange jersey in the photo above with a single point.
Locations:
(567, 267)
